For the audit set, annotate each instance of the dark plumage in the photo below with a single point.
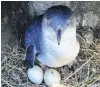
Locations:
(33, 38)
(58, 15)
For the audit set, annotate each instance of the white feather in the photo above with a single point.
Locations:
(58, 55)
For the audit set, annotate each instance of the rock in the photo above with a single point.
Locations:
(40, 7)
(90, 20)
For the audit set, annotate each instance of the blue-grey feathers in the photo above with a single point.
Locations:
(32, 38)
(44, 38)
(30, 56)
(58, 15)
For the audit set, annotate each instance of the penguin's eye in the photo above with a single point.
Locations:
(49, 22)
(68, 22)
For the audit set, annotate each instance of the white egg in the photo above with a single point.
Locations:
(35, 74)
(51, 77)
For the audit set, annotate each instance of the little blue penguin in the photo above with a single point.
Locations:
(52, 38)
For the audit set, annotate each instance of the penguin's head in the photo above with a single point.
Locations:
(58, 18)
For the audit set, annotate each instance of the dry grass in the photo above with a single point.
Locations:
(86, 71)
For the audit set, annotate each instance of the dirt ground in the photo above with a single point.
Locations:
(17, 16)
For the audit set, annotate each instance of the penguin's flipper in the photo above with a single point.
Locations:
(30, 56)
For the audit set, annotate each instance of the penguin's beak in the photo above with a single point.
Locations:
(59, 36)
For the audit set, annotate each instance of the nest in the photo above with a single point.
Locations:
(84, 71)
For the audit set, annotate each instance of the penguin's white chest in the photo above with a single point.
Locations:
(58, 55)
